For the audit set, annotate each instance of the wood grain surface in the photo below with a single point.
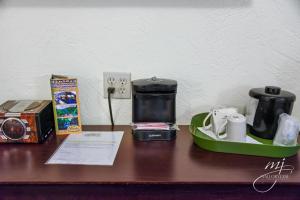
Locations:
(138, 165)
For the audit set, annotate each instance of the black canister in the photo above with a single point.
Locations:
(154, 100)
(266, 104)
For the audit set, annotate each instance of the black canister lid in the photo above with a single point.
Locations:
(272, 92)
(154, 85)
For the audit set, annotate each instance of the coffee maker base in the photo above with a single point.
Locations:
(154, 135)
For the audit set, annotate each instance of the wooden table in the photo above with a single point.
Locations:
(161, 170)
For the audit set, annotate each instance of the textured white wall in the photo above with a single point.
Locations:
(216, 49)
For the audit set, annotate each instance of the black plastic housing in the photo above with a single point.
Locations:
(272, 103)
(45, 123)
(149, 135)
(154, 100)
(154, 107)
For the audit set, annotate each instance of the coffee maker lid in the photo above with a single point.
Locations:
(154, 85)
(272, 92)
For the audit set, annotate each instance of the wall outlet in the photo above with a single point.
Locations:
(120, 81)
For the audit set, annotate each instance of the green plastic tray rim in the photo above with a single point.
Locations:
(266, 149)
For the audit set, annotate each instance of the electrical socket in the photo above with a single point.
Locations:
(120, 81)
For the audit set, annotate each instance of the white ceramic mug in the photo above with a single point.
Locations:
(236, 128)
(218, 119)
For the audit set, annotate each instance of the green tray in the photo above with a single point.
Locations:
(266, 149)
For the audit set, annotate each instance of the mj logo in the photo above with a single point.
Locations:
(275, 171)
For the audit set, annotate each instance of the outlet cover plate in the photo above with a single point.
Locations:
(121, 81)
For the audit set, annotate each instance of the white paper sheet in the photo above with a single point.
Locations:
(88, 148)
(213, 136)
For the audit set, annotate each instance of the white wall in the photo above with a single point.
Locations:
(216, 49)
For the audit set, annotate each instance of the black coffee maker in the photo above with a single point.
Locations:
(154, 101)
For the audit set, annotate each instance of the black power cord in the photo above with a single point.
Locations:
(110, 91)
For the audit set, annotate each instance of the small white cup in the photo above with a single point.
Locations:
(236, 128)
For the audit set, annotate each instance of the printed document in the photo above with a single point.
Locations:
(88, 148)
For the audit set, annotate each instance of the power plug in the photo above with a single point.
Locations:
(120, 81)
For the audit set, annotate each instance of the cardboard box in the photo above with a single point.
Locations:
(26, 121)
